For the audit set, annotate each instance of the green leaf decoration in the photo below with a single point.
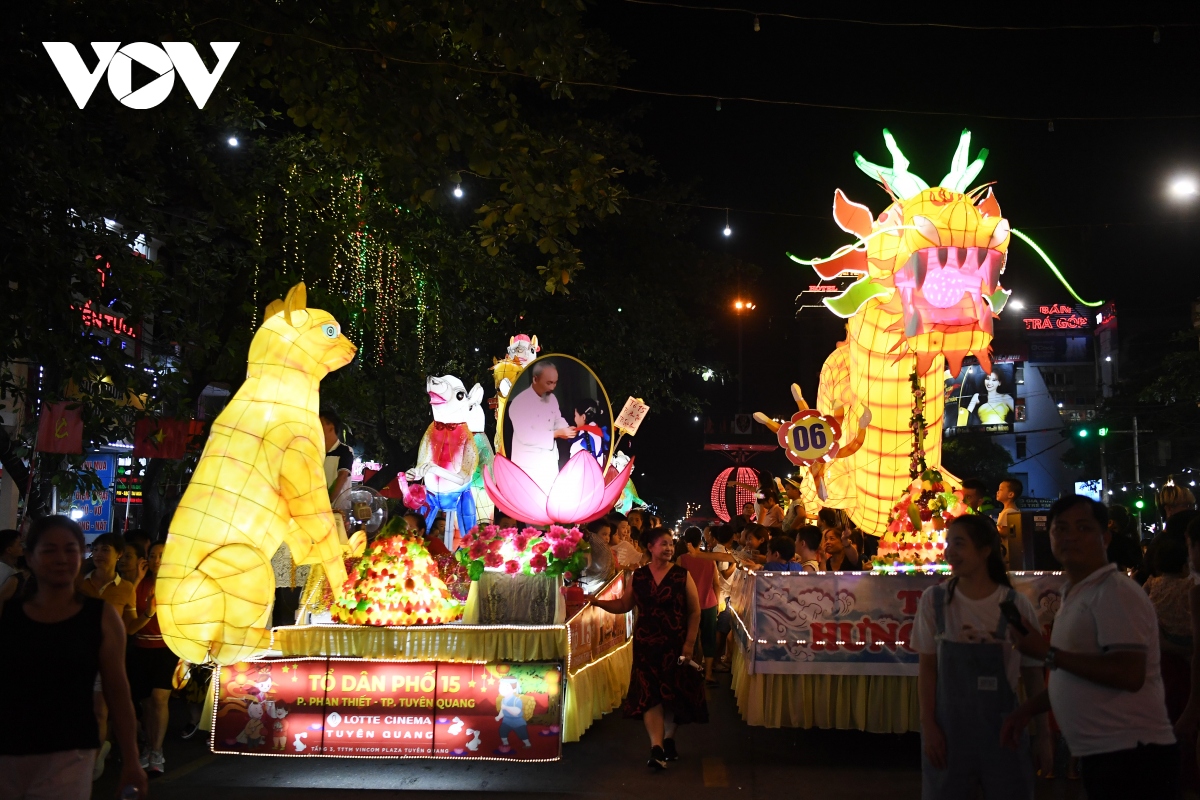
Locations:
(850, 301)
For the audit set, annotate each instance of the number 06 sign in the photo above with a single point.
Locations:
(809, 437)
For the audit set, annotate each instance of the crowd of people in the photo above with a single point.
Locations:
(1115, 682)
(1108, 693)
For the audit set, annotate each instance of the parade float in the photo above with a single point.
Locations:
(921, 287)
(479, 654)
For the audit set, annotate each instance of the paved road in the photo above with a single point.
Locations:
(724, 758)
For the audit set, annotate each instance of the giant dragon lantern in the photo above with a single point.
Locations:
(927, 287)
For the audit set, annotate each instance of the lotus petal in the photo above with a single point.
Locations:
(577, 491)
(515, 493)
(612, 492)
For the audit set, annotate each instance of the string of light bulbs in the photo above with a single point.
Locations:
(718, 98)
(1152, 26)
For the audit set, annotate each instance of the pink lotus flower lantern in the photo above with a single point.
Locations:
(580, 493)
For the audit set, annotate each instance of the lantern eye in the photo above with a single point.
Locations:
(460, 395)
(330, 330)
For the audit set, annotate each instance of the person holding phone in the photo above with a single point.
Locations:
(967, 679)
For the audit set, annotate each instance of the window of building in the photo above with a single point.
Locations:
(1021, 446)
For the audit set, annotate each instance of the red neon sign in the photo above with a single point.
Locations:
(107, 322)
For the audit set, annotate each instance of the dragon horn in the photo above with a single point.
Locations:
(798, 396)
(904, 182)
(763, 419)
(961, 173)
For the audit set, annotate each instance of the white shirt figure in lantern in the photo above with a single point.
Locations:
(447, 456)
(536, 423)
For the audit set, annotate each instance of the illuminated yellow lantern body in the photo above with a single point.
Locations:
(927, 289)
(259, 482)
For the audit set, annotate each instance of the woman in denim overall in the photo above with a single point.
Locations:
(971, 692)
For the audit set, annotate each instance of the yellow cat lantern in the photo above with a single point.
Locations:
(260, 481)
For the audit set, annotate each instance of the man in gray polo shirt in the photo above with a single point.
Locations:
(1105, 685)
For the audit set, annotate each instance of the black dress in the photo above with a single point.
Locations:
(658, 638)
(48, 672)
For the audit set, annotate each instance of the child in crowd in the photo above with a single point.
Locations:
(808, 548)
(780, 552)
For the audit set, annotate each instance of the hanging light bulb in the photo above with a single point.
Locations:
(758, 28)
(1157, 32)
(458, 192)
(1051, 126)
(718, 105)
(728, 230)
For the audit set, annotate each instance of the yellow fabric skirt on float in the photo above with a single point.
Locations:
(595, 690)
(871, 703)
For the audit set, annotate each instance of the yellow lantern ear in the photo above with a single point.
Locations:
(273, 308)
(296, 301)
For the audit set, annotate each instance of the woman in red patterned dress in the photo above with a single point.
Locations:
(666, 688)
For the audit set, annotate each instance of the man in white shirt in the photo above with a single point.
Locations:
(1106, 686)
(536, 423)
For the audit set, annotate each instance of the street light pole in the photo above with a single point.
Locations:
(741, 381)
(741, 307)
(1137, 472)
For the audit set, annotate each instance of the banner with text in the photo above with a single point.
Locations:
(854, 623)
(389, 709)
(596, 633)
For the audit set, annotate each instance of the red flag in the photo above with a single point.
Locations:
(60, 428)
(160, 438)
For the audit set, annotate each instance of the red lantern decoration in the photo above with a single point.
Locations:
(733, 489)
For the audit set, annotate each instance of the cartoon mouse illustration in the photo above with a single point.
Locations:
(252, 734)
(278, 711)
(447, 455)
(260, 481)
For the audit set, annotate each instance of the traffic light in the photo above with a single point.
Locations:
(1088, 430)
(1139, 504)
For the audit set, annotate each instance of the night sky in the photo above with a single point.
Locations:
(1092, 193)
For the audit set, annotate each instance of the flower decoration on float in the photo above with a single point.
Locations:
(579, 494)
(396, 583)
(915, 539)
(553, 552)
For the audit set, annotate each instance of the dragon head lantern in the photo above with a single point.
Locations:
(932, 259)
(926, 290)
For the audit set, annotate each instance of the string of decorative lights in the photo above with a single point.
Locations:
(825, 218)
(561, 81)
(379, 280)
(1156, 27)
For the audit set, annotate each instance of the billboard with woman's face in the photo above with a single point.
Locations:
(981, 401)
(556, 408)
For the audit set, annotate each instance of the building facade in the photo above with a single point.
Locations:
(1053, 365)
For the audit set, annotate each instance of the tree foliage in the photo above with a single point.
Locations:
(400, 101)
